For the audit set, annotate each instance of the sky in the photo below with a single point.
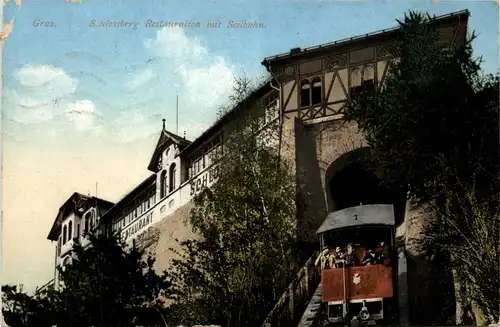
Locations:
(83, 104)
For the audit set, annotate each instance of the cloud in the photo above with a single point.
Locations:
(82, 114)
(140, 78)
(41, 93)
(42, 75)
(207, 77)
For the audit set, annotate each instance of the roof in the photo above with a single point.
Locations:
(259, 90)
(151, 180)
(75, 202)
(372, 214)
(443, 19)
(165, 139)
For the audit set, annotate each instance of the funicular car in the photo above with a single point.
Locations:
(357, 265)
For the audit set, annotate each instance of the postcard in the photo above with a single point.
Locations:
(115, 114)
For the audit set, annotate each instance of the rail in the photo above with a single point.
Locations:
(289, 308)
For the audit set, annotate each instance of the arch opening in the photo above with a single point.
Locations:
(350, 181)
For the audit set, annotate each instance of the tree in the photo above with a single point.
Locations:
(237, 268)
(434, 129)
(23, 310)
(106, 284)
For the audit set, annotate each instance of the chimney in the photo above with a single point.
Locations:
(184, 134)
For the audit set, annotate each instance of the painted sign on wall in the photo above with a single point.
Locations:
(138, 226)
(206, 178)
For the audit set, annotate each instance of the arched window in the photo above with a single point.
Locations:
(316, 92)
(70, 230)
(163, 184)
(356, 78)
(311, 91)
(172, 171)
(305, 97)
(65, 234)
(368, 73)
(86, 223)
(362, 80)
(92, 220)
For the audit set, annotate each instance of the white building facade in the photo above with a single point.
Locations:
(180, 169)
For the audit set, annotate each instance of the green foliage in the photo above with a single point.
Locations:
(433, 127)
(104, 285)
(435, 121)
(23, 310)
(237, 268)
(110, 285)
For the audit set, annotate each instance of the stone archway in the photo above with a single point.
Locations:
(350, 181)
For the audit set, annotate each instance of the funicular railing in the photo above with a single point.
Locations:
(289, 308)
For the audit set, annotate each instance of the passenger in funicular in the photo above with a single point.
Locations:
(339, 258)
(324, 258)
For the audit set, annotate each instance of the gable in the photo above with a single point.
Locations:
(165, 140)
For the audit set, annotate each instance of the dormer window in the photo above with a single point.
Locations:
(311, 91)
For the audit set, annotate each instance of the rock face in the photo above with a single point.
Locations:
(430, 281)
(416, 218)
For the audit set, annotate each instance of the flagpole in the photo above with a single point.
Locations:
(177, 117)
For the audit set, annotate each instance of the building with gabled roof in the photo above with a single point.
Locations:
(79, 215)
(305, 94)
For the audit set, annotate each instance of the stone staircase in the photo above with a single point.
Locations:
(312, 314)
(297, 298)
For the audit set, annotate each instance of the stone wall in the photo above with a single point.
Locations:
(161, 238)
